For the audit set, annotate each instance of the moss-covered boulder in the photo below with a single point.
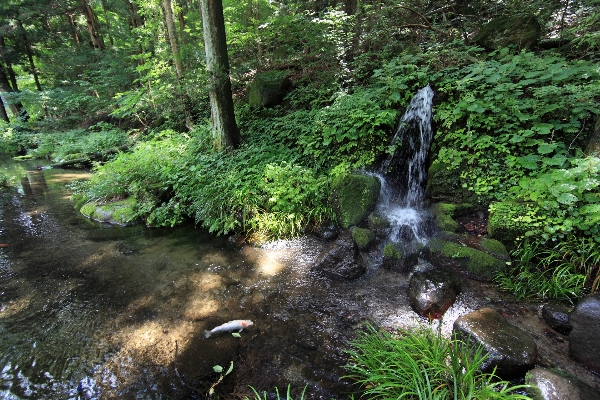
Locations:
(363, 238)
(444, 185)
(353, 197)
(509, 220)
(122, 212)
(401, 257)
(474, 257)
(268, 89)
(379, 224)
(444, 213)
(522, 32)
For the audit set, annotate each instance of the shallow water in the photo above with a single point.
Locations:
(90, 311)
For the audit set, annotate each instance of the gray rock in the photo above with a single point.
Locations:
(340, 260)
(557, 316)
(326, 232)
(554, 385)
(584, 345)
(268, 89)
(432, 292)
(521, 31)
(512, 351)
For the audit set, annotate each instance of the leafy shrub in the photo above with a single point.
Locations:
(421, 364)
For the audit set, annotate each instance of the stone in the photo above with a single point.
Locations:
(326, 232)
(268, 89)
(353, 197)
(475, 257)
(511, 350)
(401, 257)
(379, 224)
(520, 31)
(549, 384)
(445, 185)
(584, 345)
(557, 316)
(340, 260)
(364, 238)
(593, 146)
(505, 222)
(444, 213)
(122, 212)
(432, 292)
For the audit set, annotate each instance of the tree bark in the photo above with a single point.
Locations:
(16, 108)
(226, 135)
(74, 33)
(29, 53)
(110, 39)
(167, 6)
(92, 26)
(3, 112)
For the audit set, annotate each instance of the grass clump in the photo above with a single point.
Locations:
(421, 364)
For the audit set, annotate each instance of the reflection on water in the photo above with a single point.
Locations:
(89, 311)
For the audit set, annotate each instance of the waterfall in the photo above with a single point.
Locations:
(403, 175)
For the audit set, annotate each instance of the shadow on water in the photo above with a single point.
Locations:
(88, 311)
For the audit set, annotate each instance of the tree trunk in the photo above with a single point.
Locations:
(110, 39)
(3, 112)
(226, 135)
(73, 29)
(92, 25)
(29, 53)
(16, 108)
(167, 6)
(135, 21)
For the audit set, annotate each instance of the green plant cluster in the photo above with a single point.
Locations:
(422, 364)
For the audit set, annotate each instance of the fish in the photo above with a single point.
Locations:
(4, 245)
(236, 325)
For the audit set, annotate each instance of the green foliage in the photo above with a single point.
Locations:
(512, 116)
(288, 394)
(421, 364)
(557, 272)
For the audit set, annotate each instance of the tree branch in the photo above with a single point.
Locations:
(427, 24)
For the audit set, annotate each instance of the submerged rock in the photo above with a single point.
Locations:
(433, 292)
(475, 257)
(340, 260)
(354, 197)
(511, 351)
(557, 316)
(326, 232)
(584, 345)
(554, 385)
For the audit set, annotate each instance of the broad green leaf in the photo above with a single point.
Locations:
(218, 369)
(567, 198)
(235, 334)
(229, 369)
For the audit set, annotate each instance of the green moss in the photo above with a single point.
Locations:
(478, 261)
(444, 184)
(378, 221)
(496, 247)
(363, 237)
(353, 197)
(391, 251)
(444, 213)
(268, 89)
(509, 220)
(88, 209)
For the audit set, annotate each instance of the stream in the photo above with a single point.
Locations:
(89, 311)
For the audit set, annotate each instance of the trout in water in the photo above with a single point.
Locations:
(237, 325)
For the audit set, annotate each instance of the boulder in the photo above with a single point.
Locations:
(379, 224)
(353, 197)
(340, 260)
(548, 384)
(445, 185)
(268, 89)
(444, 213)
(509, 220)
(511, 350)
(326, 232)
(363, 238)
(477, 258)
(122, 212)
(520, 31)
(593, 146)
(557, 316)
(401, 257)
(432, 292)
(584, 345)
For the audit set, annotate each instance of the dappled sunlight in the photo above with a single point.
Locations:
(16, 306)
(270, 263)
(206, 281)
(215, 258)
(200, 307)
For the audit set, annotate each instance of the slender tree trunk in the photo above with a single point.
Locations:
(17, 107)
(226, 135)
(3, 112)
(74, 33)
(92, 25)
(135, 21)
(167, 6)
(29, 53)
(110, 39)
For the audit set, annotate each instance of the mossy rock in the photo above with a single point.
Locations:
(444, 214)
(509, 220)
(475, 257)
(445, 185)
(353, 197)
(379, 224)
(363, 238)
(522, 32)
(268, 89)
(120, 212)
(401, 257)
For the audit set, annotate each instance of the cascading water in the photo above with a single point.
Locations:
(404, 173)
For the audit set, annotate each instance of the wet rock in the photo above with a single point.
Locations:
(340, 260)
(522, 32)
(432, 292)
(554, 385)
(120, 212)
(557, 316)
(444, 213)
(512, 351)
(583, 339)
(353, 197)
(237, 239)
(326, 232)
(401, 257)
(445, 185)
(379, 224)
(475, 257)
(364, 238)
(268, 89)
(405, 234)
